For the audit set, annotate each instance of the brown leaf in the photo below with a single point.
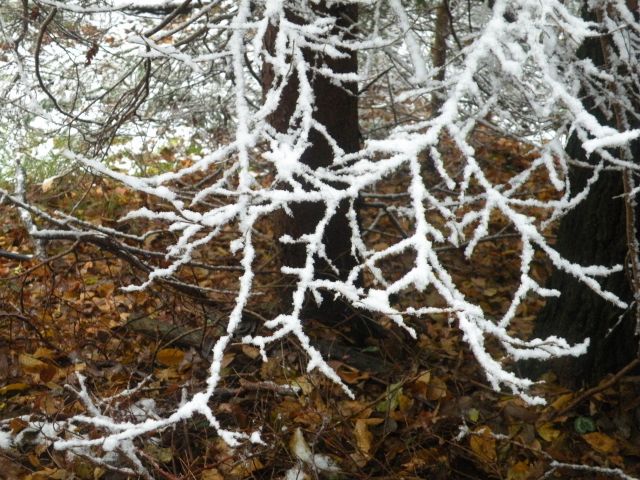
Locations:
(13, 388)
(17, 425)
(211, 474)
(45, 353)
(601, 442)
(562, 401)
(30, 364)
(436, 389)
(548, 432)
(354, 408)
(351, 375)
(170, 357)
(518, 471)
(363, 436)
(251, 351)
(47, 373)
(483, 444)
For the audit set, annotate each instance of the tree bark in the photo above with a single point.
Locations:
(592, 233)
(439, 51)
(337, 110)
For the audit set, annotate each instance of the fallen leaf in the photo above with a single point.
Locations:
(170, 357)
(251, 351)
(47, 183)
(483, 444)
(211, 474)
(351, 375)
(363, 436)
(548, 432)
(296, 473)
(161, 454)
(30, 364)
(245, 468)
(45, 353)
(584, 425)
(299, 447)
(518, 471)
(562, 401)
(436, 389)
(47, 373)
(303, 384)
(301, 450)
(601, 442)
(17, 425)
(473, 414)
(13, 388)
(392, 399)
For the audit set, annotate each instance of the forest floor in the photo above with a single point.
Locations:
(422, 407)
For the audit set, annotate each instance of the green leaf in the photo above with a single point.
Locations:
(392, 400)
(584, 425)
(473, 414)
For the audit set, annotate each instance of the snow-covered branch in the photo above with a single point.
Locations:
(519, 71)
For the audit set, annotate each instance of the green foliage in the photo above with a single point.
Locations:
(584, 425)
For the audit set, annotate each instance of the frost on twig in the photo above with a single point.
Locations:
(25, 215)
(519, 68)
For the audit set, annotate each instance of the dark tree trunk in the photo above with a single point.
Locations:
(439, 51)
(337, 110)
(593, 233)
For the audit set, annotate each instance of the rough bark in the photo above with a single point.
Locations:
(337, 110)
(593, 233)
(439, 51)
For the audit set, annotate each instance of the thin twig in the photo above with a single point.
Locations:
(592, 391)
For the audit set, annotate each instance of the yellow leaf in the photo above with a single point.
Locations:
(167, 374)
(363, 436)
(303, 384)
(405, 403)
(483, 444)
(473, 414)
(30, 364)
(83, 470)
(424, 377)
(162, 454)
(170, 357)
(518, 471)
(436, 389)
(601, 442)
(13, 387)
(211, 474)
(548, 432)
(562, 401)
(42, 352)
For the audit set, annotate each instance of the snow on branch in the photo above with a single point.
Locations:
(520, 67)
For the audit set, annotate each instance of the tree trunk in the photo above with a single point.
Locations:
(592, 233)
(439, 52)
(337, 110)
